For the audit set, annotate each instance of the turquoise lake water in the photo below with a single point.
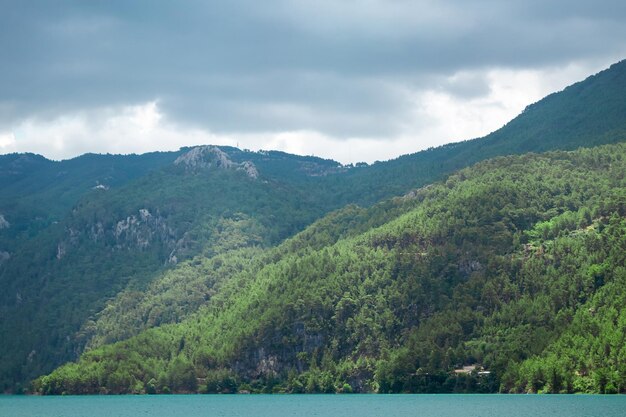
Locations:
(315, 405)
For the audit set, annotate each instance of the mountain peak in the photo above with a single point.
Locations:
(209, 156)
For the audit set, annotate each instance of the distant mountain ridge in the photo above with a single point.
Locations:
(92, 235)
(587, 113)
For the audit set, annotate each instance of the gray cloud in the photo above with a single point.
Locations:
(340, 68)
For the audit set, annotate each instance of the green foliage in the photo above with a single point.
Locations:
(64, 279)
(514, 266)
(81, 267)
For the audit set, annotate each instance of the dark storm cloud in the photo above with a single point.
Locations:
(338, 67)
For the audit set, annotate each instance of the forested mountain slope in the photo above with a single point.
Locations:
(182, 290)
(588, 113)
(37, 192)
(119, 237)
(98, 239)
(502, 266)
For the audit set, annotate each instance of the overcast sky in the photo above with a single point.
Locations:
(352, 80)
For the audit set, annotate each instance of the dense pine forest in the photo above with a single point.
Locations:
(490, 265)
(514, 266)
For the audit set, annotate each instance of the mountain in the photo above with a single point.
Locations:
(497, 269)
(100, 248)
(588, 113)
(60, 271)
(37, 191)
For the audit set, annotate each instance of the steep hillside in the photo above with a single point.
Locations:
(120, 237)
(537, 128)
(179, 292)
(101, 238)
(496, 265)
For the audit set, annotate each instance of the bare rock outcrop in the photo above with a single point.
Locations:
(4, 224)
(4, 256)
(139, 230)
(250, 169)
(142, 230)
(208, 157)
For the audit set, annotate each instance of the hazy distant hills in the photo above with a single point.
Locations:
(102, 247)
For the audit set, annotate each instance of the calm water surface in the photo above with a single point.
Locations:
(315, 405)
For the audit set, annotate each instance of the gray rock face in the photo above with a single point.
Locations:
(413, 194)
(4, 256)
(207, 157)
(140, 231)
(249, 169)
(4, 224)
(61, 251)
(144, 214)
(97, 231)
